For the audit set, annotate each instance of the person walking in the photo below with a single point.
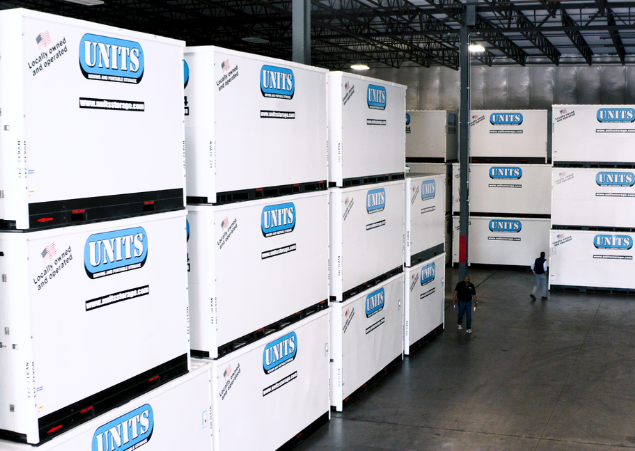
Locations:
(539, 268)
(466, 293)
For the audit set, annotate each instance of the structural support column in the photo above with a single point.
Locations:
(464, 125)
(301, 23)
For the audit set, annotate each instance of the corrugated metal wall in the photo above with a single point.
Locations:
(514, 87)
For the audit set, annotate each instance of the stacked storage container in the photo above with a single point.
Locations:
(432, 146)
(367, 143)
(256, 144)
(509, 201)
(593, 181)
(424, 291)
(93, 222)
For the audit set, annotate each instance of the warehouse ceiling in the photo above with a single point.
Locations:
(383, 33)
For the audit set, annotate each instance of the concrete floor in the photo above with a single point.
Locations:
(553, 375)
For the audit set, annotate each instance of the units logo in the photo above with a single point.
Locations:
(375, 302)
(186, 74)
(278, 219)
(616, 115)
(501, 172)
(114, 252)
(375, 200)
(506, 119)
(128, 432)
(620, 242)
(428, 273)
(111, 59)
(280, 352)
(615, 178)
(502, 225)
(428, 189)
(376, 97)
(277, 82)
(407, 119)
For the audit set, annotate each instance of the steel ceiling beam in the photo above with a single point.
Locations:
(577, 38)
(508, 12)
(615, 37)
(500, 41)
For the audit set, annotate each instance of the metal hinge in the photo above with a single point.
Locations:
(326, 349)
(1, 194)
(11, 408)
(6, 331)
(6, 128)
(4, 277)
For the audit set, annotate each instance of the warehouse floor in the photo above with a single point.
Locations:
(554, 375)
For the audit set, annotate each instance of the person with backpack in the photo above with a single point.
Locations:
(539, 268)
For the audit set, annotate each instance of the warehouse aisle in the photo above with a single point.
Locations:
(555, 375)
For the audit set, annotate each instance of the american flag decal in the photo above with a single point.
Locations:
(346, 202)
(49, 251)
(224, 223)
(563, 111)
(560, 236)
(562, 174)
(348, 312)
(475, 116)
(347, 85)
(227, 372)
(43, 39)
(225, 65)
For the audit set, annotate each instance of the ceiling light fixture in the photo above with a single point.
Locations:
(476, 48)
(359, 67)
(255, 40)
(87, 2)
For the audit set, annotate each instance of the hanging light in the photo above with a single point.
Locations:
(476, 48)
(359, 67)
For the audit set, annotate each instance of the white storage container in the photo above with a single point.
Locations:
(250, 108)
(268, 392)
(366, 128)
(437, 168)
(597, 197)
(104, 127)
(503, 240)
(431, 136)
(366, 335)
(367, 237)
(593, 133)
(425, 217)
(583, 258)
(254, 264)
(511, 135)
(424, 287)
(174, 416)
(506, 188)
(77, 298)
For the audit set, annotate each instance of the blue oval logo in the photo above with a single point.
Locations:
(111, 59)
(186, 74)
(187, 229)
(502, 225)
(129, 431)
(280, 352)
(502, 172)
(428, 189)
(277, 82)
(278, 219)
(407, 119)
(428, 273)
(506, 118)
(109, 253)
(375, 200)
(620, 242)
(375, 302)
(616, 115)
(615, 178)
(376, 97)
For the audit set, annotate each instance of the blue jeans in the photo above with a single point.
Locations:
(465, 307)
(541, 285)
